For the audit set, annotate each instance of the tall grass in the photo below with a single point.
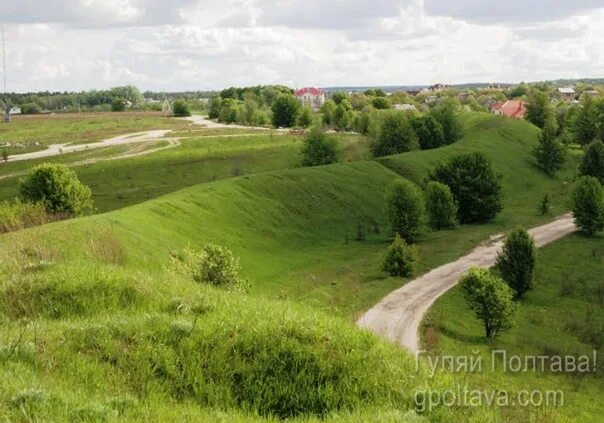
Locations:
(16, 215)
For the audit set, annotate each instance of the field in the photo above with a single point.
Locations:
(310, 242)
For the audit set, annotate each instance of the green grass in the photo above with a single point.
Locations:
(562, 316)
(102, 298)
(37, 132)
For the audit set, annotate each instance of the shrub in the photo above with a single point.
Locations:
(393, 135)
(380, 103)
(118, 105)
(18, 215)
(405, 209)
(400, 259)
(318, 149)
(446, 115)
(5, 155)
(588, 205)
(516, 261)
(58, 188)
(490, 299)
(31, 109)
(215, 265)
(473, 184)
(285, 110)
(592, 163)
(305, 117)
(544, 205)
(181, 108)
(440, 205)
(549, 152)
(429, 132)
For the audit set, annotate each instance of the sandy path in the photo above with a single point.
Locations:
(204, 121)
(398, 315)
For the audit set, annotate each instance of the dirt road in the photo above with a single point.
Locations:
(398, 316)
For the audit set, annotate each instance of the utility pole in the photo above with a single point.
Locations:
(8, 107)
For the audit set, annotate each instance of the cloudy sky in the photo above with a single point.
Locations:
(211, 44)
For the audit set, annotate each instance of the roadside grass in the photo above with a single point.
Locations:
(562, 316)
(35, 133)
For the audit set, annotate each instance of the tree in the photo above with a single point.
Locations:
(588, 205)
(393, 135)
(380, 103)
(214, 107)
(328, 109)
(474, 185)
(5, 155)
(538, 109)
(516, 261)
(218, 266)
(338, 97)
(592, 163)
(549, 152)
(118, 105)
(305, 117)
(400, 259)
(544, 205)
(445, 113)
(586, 122)
(58, 188)
(429, 131)
(318, 149)
(181, 108)
(285, 110)
(405, 209)
(440, 205)
(490, 299)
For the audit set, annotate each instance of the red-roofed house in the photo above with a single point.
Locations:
(310, 96)
(511, 108)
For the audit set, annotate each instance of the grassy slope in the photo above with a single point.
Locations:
(562, 315)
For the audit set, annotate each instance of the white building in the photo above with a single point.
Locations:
(567, 93)
(405, 107)
(310, 96)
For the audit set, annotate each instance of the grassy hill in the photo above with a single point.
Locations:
(102, 313)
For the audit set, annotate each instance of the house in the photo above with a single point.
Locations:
(463, 96)
(437, 87)
(512, 108)
(310, 96)
(567, 93)
(590, 93)
(405, 107)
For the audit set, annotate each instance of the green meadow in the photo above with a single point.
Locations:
(98, 326)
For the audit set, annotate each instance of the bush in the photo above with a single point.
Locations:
(215, 265)
(544, 205)
(285, 111)
(318, 149)
(393, 135)
(400, 259)
(405, 209)
(592, 163)
(549, 152)
(18, 215)
(516, 261)
(181, 108)
(118, 105)
(473, 184)
(58, 188)
(31, 109)
(588, 205)
(380, 103)
(429, 132)
(440, 205)
(446, 115)
(490, 299)
(305, 117)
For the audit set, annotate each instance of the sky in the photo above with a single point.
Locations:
(181, 45)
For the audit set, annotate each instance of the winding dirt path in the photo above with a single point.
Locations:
(397, 316)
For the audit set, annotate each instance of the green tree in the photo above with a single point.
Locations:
(400, 258)
(538, 109)
(181, 108)
(318, 149)
(328, 109)
(380, 103)
(305, 117)
(549, 152)
(491, 300)
(229, 111)
(586, 122)
(393, 135)
(440, 205)
(429, 131)
(405, 209)
(118, 105)
(544, 205)
(516, 261)
(588, 205)
(474, 185)
(214, 107)
(339, 97)
(5, 155)
(58, 188)
(285, 110)
(446, 114)
(592, 163)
